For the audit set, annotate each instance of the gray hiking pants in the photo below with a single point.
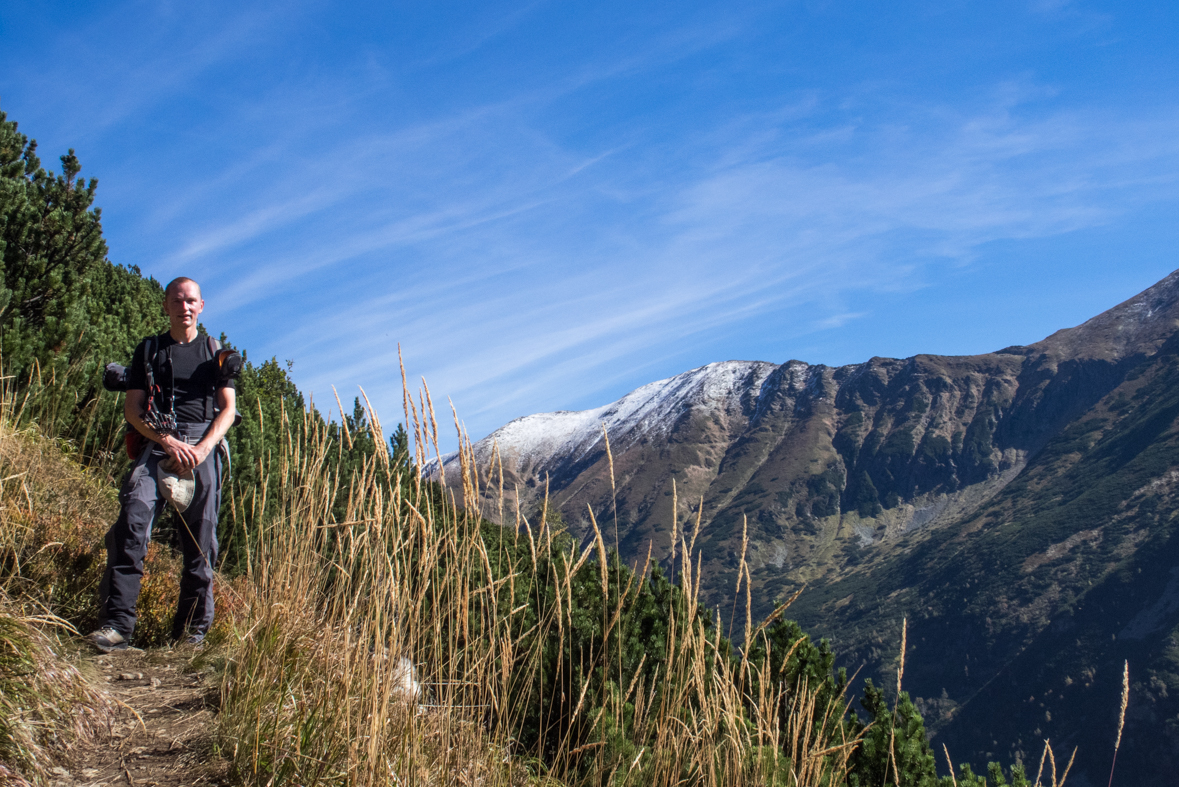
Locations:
(142, 502)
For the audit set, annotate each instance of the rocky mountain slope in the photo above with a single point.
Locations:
(1018, 507)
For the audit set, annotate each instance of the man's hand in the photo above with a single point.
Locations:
(226, 399)
(184, 456)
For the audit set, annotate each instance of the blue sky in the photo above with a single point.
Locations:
(549, 204)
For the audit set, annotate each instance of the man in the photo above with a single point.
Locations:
(183, 406)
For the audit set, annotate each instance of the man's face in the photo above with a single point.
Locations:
(183, 305)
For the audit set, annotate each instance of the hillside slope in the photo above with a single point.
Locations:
(1018, 506)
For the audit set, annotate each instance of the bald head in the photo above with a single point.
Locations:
(172, 285)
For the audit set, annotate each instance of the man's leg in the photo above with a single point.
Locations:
(198, 542)
(126, 545)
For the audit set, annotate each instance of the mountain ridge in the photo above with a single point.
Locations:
(1024, 483)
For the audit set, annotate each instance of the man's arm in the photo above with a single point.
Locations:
(184, 455)
(226, 405)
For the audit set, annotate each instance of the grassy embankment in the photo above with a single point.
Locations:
(49, 512)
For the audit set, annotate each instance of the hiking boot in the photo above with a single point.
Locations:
(193, 640)
(107, 639)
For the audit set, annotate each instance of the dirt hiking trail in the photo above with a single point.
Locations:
(161, 733)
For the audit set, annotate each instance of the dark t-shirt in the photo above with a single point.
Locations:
(190, 367)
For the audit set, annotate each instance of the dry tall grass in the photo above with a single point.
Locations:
(51, 520)
(46, 705)
(317, 691)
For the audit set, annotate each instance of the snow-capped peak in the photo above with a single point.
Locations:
(648, 411)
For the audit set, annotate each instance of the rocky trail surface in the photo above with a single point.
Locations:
(162, 730)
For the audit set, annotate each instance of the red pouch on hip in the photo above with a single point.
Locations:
(135, 444)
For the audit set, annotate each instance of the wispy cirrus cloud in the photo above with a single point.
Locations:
(548, 213)
(752, 235)
(482, 271)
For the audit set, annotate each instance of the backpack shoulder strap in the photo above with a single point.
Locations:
(150, 345)
(149, 363)
(211, 396)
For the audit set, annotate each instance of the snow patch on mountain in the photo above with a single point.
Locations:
(528, 443)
